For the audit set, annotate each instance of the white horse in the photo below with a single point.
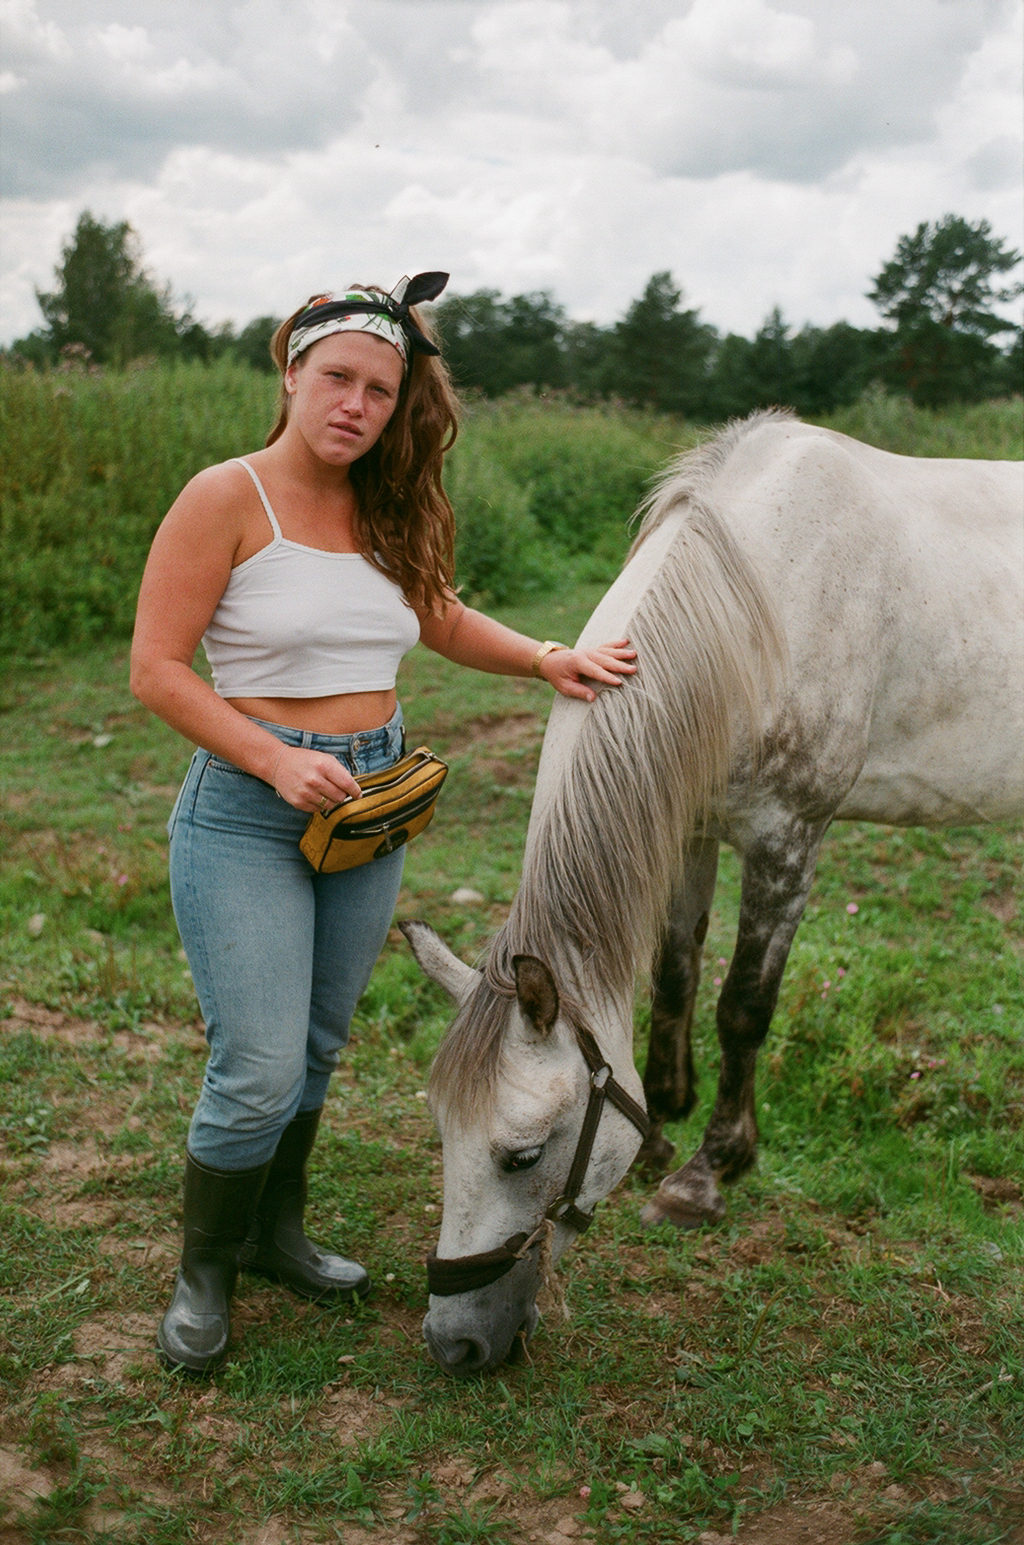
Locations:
(824, 630)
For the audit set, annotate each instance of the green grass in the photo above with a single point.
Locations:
(844, 1351)
(855, 1325)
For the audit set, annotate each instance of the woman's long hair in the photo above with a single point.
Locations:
(405, 525)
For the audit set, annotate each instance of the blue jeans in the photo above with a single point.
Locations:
(279, 954)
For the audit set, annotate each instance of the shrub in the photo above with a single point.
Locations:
(92, 460)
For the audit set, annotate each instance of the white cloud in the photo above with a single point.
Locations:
(125, 45)
(750, 44)
(764, 151)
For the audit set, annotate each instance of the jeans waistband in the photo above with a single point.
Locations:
(362, 743)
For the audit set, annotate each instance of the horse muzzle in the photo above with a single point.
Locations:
(476, 1331)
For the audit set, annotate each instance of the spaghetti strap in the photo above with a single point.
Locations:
(263, 496)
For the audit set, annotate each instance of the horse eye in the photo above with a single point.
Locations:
(525, 1158)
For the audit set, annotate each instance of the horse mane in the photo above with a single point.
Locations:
(649, 763)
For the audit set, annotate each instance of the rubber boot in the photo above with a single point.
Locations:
(277, 1246)
(219, 1207)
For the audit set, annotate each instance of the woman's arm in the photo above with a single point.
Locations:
(186, 573)
(470, 638)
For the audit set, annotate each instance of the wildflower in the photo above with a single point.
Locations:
(852, 908)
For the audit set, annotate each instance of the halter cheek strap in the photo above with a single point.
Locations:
(452, 1275)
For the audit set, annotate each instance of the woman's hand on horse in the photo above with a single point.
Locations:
(580, 672)
(313, 780)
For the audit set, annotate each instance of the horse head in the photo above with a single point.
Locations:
(519, 1094)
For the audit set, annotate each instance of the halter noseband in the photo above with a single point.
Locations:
(465, 1273)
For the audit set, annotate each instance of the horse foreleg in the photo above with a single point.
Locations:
(778, 870)
(668, 1074)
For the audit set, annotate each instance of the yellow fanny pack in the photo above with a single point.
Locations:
(396, 804)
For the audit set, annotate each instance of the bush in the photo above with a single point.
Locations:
(500, 554)
(92, 460)
(584, 470)
(993, 431)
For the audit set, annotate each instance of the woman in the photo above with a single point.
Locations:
(307, 571)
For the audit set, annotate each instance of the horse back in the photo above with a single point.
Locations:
(899, 584)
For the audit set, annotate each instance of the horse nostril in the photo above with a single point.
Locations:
(463, 1357)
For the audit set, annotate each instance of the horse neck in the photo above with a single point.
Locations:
(625, 782)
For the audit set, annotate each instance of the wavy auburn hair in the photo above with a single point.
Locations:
(405, 525)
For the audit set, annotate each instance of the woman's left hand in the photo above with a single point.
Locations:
(580, 672)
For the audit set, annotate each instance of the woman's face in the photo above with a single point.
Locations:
(343, 391)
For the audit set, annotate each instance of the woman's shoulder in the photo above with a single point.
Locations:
(220, 490)
(213, 506)
(223, 481)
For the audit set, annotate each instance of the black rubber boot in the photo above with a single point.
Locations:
(219, 1207)
(277, 1246)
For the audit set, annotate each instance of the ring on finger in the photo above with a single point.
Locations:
(323, 804)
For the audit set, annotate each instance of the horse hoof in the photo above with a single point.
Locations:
(655, 1155)
(682, 1211)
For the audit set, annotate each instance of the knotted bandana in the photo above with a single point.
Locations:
(370, 311)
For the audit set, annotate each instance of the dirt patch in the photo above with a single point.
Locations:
(106, 1347)
(1002, 904)
(147, 1043)
(823, 1524)
(505, 750)
(20, 1484)
(998, 1192)
(496, 733)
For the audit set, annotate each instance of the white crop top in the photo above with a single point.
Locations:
(297, 622)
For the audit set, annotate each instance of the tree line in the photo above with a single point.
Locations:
(942, 337)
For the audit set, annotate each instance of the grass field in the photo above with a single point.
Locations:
(839, 1362)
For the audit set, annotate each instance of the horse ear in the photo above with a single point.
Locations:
(536, 991)
(437, 961)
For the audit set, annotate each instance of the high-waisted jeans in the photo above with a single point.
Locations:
(279, 954)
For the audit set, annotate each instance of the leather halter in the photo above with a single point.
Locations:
(464, 1273)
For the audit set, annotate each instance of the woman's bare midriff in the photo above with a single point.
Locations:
(348, 713)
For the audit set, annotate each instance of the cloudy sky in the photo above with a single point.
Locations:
(766, 152)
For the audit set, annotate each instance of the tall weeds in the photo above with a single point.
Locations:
(543, 490)
(91, 462)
